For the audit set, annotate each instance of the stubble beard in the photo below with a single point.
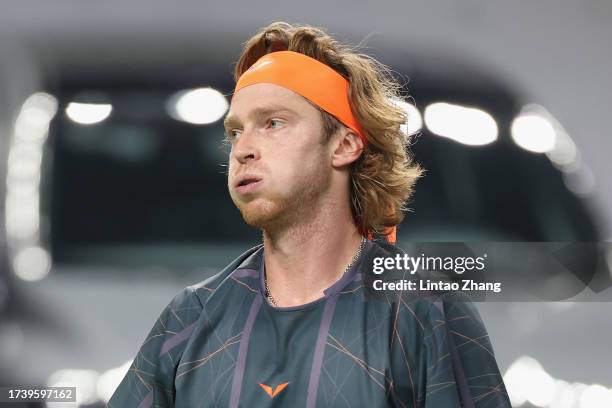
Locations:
(275, 212)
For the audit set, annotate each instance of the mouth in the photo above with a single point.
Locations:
(247, 183)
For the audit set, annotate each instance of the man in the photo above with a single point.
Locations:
(319, 164)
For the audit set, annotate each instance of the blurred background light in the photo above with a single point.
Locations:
(22, 218)
(24, 161)
(535, 129)
(564, 395)
(580, 181)
(22, 200)
(565, 156)
(85, 382)
(88, 113)
(596, 396)
(33, 121)
(414, 121)
(467, 125)
(109, 381)
(31, 263)
(527, 382)
(197, 106)
(534, 133)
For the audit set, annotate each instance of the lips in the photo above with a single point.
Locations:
(247, 183)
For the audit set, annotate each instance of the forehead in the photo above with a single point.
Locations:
(264, 97)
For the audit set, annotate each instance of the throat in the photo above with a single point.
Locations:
(289, 287)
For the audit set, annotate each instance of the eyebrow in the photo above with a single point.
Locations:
(232, 121)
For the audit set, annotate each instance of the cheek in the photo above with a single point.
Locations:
(230, 171)
(286, 168)
(297, 169)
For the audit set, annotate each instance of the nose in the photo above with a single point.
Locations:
(245, 149)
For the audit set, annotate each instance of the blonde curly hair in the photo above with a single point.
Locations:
(383, 178)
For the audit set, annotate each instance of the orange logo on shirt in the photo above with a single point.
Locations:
(273, 393)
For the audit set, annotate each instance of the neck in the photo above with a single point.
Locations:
(305, 258)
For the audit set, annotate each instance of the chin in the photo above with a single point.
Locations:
(260, 214)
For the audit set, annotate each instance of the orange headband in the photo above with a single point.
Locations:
(308, 77)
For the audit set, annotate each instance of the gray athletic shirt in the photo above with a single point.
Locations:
(220, 344)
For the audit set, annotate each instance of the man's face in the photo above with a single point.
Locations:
(279, 167)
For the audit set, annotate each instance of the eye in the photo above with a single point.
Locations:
(272, 122)
(232, 135)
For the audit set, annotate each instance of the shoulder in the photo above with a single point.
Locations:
(150, 378)
(186, 306)
(202, 291)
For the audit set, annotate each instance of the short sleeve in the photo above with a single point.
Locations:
(458, 363)
(149, 381)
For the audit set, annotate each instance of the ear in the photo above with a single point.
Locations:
(348, 147)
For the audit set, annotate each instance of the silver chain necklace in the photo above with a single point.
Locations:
(268, 294)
